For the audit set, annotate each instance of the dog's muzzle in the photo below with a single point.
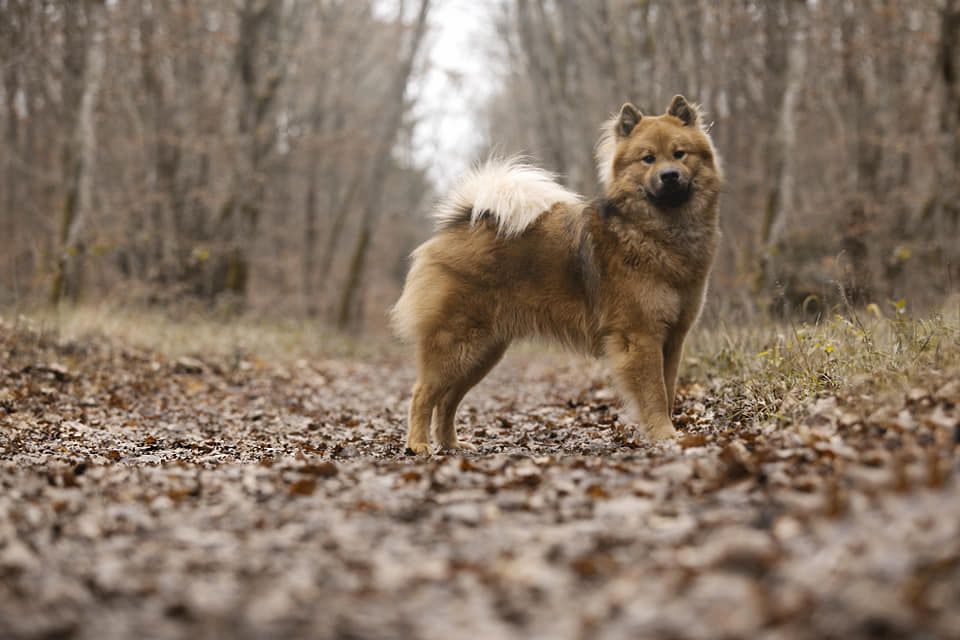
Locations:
(670, 190)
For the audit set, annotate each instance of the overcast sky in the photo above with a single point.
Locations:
(460, 79)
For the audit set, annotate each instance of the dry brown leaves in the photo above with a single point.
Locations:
(237, 498)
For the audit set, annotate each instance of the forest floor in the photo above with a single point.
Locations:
(168, 489)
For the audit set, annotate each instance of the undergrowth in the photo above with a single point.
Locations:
(766, 371)
(757, 371)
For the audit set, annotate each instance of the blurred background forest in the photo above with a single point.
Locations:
(268, 156)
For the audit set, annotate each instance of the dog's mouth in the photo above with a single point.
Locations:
(669, 196)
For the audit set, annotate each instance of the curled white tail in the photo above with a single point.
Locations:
(515, 194)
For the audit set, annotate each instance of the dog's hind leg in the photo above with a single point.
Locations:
(433, 358)
(476, 362)
(450, 363)
(426, 393)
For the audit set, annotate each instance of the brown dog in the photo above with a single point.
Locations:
(516, 255)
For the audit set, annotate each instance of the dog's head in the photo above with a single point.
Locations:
(663, 159)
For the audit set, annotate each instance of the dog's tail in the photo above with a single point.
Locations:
(513, 193)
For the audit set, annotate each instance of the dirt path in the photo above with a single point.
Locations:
(141, 496)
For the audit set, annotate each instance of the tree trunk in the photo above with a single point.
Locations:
(545, 78)
(310, 242)
(80, 159)
(347, 311)
(782, 191)
(12, 141)
(258, 63)
(340, 210)
(865, 155)
(372, 203)
(948, 61)
(162, 258)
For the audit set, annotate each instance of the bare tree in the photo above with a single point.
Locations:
(258, 152)
(83, 62)
(783, 148)
(387, 134)
(947, 199)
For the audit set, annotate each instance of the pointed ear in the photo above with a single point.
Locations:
(686, 112)
(629, 118)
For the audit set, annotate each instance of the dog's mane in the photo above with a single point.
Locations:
(605, 150)
(510, 191)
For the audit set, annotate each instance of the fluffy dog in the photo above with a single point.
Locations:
(516, 255)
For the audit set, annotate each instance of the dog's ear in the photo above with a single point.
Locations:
(686, 112)
(629, 118)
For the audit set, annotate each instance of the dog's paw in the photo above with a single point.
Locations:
(663, 431)
(418, 449)
(458, 445)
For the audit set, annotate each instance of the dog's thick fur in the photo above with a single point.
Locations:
(516, 255)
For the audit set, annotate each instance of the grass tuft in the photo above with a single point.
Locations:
(772, 371)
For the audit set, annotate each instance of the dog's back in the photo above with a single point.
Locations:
(486, 236)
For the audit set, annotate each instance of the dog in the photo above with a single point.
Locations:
(516, 255)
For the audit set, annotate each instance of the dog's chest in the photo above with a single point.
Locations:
(650, 298)
(656, 290)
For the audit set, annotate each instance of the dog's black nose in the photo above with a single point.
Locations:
(670, 176)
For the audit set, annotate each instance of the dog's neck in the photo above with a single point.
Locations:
(689, 232)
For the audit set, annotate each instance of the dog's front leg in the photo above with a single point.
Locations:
(638, 366)
(672, 353)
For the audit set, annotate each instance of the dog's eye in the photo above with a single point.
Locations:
(679, 154)
(649, 159)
